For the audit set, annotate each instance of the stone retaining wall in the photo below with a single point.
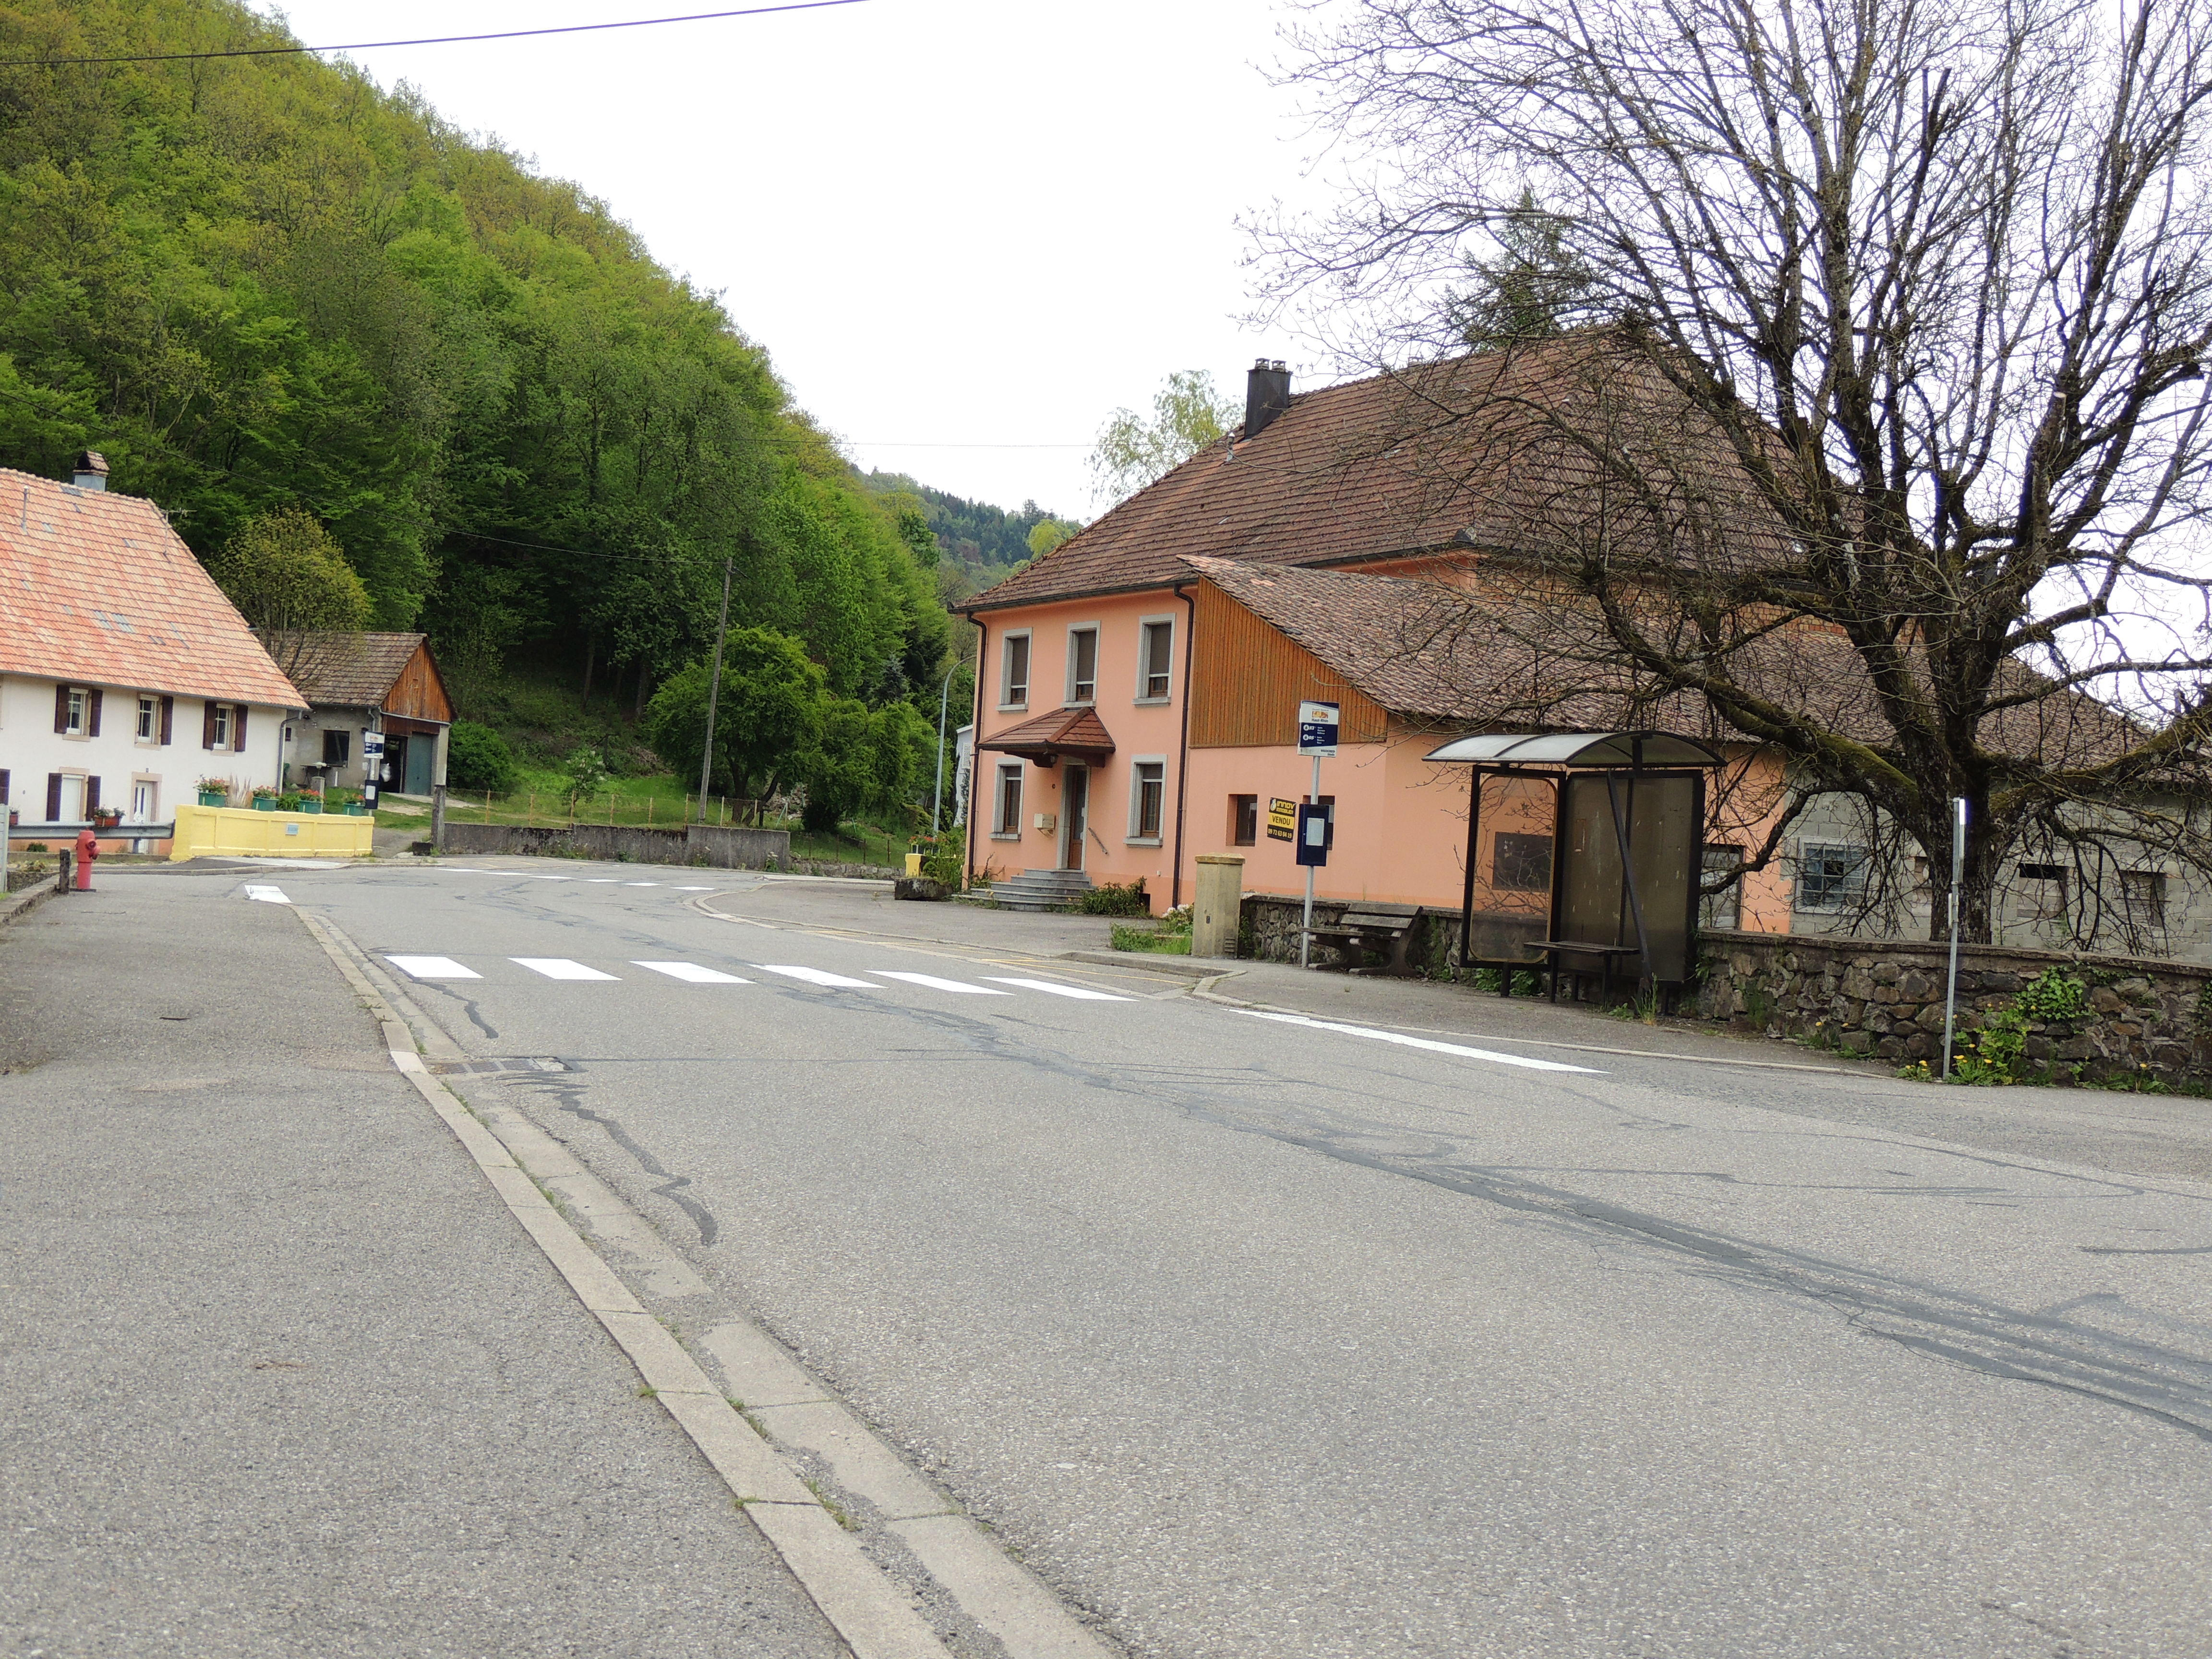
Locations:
(1884, 998)
(714, 846)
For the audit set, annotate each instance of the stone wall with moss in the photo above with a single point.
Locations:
(1884, 998)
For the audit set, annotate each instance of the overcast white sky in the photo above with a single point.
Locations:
(958, 225)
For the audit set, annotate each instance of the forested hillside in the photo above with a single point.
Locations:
(264, 284)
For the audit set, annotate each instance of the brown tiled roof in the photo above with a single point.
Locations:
(1472, 452)
(344, 669)
(1489, 659)
(1062, 731)
(97, 588)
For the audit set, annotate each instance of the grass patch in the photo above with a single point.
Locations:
(1152, 940)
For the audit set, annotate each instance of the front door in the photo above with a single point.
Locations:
(421, 751)
(1075, 813)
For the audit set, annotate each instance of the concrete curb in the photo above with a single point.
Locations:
(14, 907)
(873, 1617)
(1152, 962)
(543, 1184)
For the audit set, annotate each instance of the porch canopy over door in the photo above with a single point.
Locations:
(1627, 837)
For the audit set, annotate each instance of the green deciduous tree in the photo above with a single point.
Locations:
(1188, 414)
(768, 716)
(286, 575)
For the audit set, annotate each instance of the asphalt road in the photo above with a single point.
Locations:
(1287, 1334)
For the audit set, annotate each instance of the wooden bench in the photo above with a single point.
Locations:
(1364, 928)
(1555, 949)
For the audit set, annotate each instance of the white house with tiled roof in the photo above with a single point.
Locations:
(125, 676)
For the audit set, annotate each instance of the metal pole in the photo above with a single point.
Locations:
(1305, 937)
(1958, 874)
(714, 691)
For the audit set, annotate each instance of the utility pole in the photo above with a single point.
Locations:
(714, 689)
(937, 805)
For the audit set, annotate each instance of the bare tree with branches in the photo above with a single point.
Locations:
(1926, 286)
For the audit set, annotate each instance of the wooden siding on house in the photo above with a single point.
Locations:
(1248, 680)
(418, 693)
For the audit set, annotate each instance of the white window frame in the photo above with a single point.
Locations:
(1098, 642)
(79, 718)
(1007, 701)
(1137, 763)
(226, 726)
(149, 719)
(1000, 773)
(1145, 626)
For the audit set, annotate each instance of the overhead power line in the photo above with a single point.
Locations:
(431, 40)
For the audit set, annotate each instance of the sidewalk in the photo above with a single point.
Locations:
(279, 1375)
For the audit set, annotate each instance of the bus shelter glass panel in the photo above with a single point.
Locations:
(1659, 815)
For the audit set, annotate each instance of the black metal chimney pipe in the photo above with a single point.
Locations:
(1267, 394)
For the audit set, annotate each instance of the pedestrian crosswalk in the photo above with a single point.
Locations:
(432, 969)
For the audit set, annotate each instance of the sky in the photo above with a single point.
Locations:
(966, 231)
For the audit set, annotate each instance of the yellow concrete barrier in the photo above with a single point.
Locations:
(240, 832)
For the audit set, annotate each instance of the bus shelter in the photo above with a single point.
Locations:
(1627, 846)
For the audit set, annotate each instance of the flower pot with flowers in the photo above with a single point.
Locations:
(265, 798)
(311, 801)
(106, 818)
(213, 792)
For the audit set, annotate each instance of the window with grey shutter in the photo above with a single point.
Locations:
(91, 796)
(238, 729)
(61, 710)
(53, 798)
(92, 719)
(168, 711)
(207, 725)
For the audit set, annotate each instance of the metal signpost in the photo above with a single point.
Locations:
(1317, 724)
(1958, 874)
(372, 764)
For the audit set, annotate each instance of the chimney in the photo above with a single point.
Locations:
(1267, 394)
(91, 471)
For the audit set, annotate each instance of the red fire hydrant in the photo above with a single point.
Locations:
(87, 849)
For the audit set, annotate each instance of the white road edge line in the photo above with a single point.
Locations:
(875, 1618)
(1429, 1043)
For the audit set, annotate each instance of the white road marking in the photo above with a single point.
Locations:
(936, 984)
(816, 976)
(267, 894)
(693, 890)
(692, 973)
(640, 883)
(1057, 990)
(432, 968)
(558, 968)
(601, 881)
(1429, 1043)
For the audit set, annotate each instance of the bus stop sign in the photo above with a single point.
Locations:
(1318, 728)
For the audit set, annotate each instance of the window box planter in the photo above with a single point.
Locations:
(311, 804)
(214, 798)
(264, 802)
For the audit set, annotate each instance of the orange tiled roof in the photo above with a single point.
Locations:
(343, 670)
(1077, 732)
(1490, 660)
(96, 588)
(1469, 455)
